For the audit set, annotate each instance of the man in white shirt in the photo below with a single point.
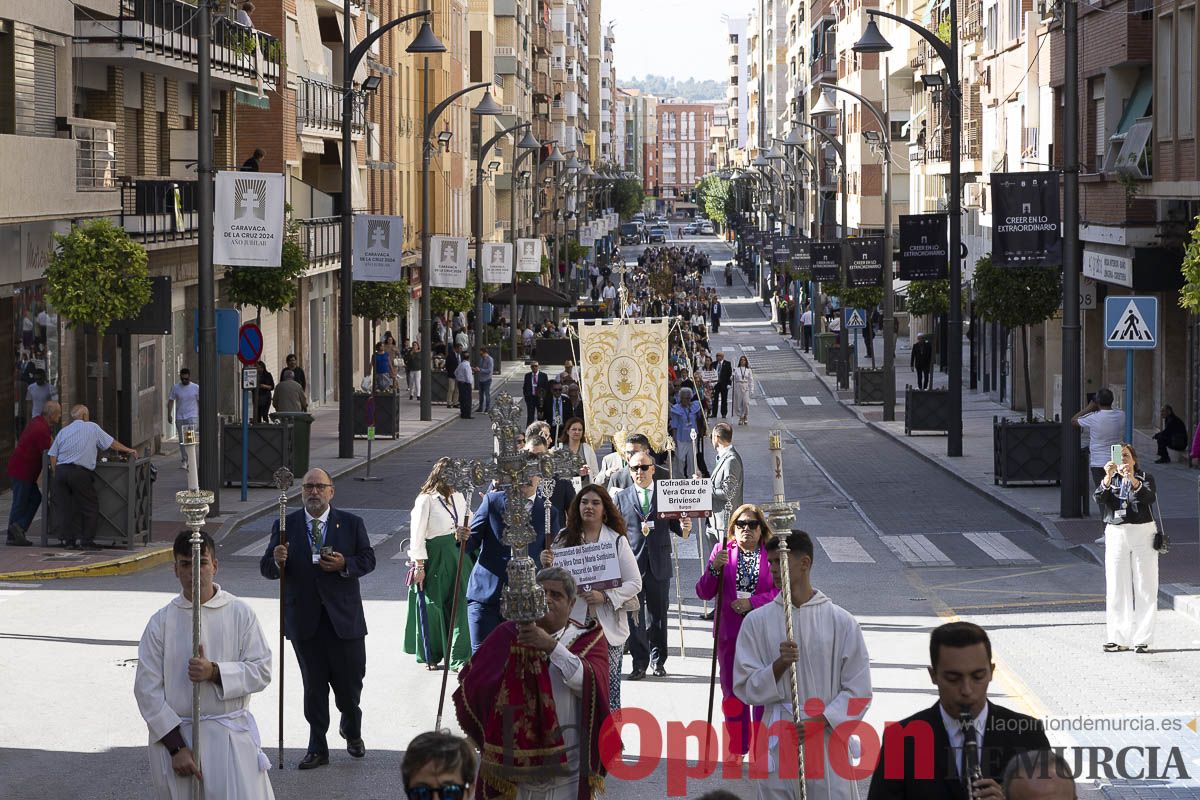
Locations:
(465, 378)
(183, 408)
(806, 323)
(1105, 427)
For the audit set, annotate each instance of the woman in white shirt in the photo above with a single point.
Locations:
(593, 517)
(572, 439)
(439, 515)
(743, 382)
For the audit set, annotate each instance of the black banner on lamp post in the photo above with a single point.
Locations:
(826, 261)
(866, 261)
(1026, 222)
(801, 253)
(923, 247)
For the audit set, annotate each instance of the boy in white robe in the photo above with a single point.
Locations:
(234, 663)
(833, 667)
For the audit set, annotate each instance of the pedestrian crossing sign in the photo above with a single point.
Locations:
(1130, 323)
(856, 318)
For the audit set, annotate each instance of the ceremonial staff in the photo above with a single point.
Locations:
(675, 550)
(786, 580)
(282, 481)
(702, 523)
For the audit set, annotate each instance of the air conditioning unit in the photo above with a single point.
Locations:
(973, 195)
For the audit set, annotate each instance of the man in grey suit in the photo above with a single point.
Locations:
(729, 463)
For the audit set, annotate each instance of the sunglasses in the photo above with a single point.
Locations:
(750, 524)
(642, 467)
(451, 791)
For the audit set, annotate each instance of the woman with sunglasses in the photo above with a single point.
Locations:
(739, 577)
(593, 517)
(439, 516)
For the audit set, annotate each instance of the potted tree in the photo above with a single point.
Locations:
(449, 301)
(868, 381)
(927, 410)
(1017, 297)
(378, 301)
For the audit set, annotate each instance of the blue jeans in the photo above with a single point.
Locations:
(482, 619)
(485, 395)
(26, 497)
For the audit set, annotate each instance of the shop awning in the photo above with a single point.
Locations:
(245, 98)
(532, 294)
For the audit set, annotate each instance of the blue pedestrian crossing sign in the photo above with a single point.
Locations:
(1130, 323)
(856, 318)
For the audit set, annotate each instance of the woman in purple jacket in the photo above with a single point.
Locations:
(738, 576)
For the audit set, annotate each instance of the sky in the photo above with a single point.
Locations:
(674, 38)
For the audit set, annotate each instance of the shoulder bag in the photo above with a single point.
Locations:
(1162, 543)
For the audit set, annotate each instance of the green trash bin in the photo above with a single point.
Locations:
(298, 437)
(821, 342)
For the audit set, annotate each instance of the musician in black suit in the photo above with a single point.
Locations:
(649, 537)
(327, 552)
(534, 388)
(961, 667)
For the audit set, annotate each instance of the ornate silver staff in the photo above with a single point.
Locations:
(780, 512)
(282, 481)
(786, 575)
(194, 503)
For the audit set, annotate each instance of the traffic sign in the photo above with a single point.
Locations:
(249, 378)
(250, 344)
(855, 318)
(1130, 323)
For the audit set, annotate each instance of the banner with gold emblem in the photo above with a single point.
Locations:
(623, 366)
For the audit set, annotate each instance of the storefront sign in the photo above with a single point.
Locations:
(378, 248)
(923, 247)
(1108, 268)
(449, 257)
(1027, 226)
(826, 261)
(866, 261)
(248, 219)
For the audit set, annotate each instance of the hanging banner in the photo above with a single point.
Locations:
(923, 247)
(529, 255)
(497, 262)
(248, 219)
(1026, 222)
(801, 253)
(826, 261)
(449, 257)
(783, 249)
(623, 366)
(866, 261)
(378, 247)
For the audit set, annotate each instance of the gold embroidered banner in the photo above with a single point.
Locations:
(623, 366)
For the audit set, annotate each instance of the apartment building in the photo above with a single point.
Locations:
(768, 99)
(683, 151)
(609, 153)
(514, 74)
(737, 92)
(718, 139)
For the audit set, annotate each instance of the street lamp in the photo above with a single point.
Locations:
(425, 42)
(487, 107)
(889, 296)
(872, 41)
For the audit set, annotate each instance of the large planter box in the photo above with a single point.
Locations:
(441, 386)
(125, 494)
(821, 342)
(831, 358)
(387, 415)
(869, 385)
(270, 447)
(1026, 452)
(926, 410)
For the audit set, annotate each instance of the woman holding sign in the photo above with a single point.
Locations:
(593, 519)
(739, 578)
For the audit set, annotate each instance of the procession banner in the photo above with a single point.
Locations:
(866, 261)
(529, 255)
(497, 262)
(826, 261)
(594, 566)
(623, 365)
(449, 270)
(248, 219)
(1026, 224)
(682, 497)
(923, 247)
(378, 248)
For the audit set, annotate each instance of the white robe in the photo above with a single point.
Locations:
(834, 666)
(231, 757)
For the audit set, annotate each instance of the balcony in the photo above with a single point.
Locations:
(157, 210)
(319, 109)
(971, 25)
(506, 60)
(321, 238)
(822, 67)
(916, 154)
(164, 32)
(71, 175)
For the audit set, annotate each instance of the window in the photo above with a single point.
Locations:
(1016, 19)
(992, 26)
(1185, 73)
(148, 367)
(1164, 62)
(45, 89)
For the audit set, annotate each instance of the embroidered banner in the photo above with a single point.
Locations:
(624, 378)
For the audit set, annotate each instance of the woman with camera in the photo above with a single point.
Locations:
(439, 517)
(1126, 495)
(593, 517)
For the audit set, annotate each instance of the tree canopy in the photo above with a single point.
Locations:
(97, 275)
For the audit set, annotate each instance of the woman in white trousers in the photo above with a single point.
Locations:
(1130, 561)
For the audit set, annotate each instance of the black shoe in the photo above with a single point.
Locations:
(660, 672)
(637, 674)
(707, 615)
(22, 542)
(356, 748)
(91, 547)
(313, 760)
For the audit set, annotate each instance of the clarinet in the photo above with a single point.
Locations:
(970, 751)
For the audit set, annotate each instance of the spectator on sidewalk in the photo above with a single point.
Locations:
(411, 356)
(24, 469)
(465, 378)
(921, 361)
(251, 164)
(1105, 427)
(382, 364)
(39, 392)
(483, 377)
(806, 325)
(451, 366)
(1173, 435)
(73, 459)
(183, 409)
(298, 375)
(266, 385)
(289, 394)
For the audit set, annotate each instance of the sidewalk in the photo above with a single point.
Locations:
(1177, 484)
(39, 563)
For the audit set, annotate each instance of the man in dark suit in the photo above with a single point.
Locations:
(489, 576)
(921, 361)
(555, 410)
(967, 729)
(326, 555)
(634, 443)
(714, 314)
(649, 538)
(721, 390)
(535, 387)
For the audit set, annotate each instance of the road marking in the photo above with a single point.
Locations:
(999, 547)
(16, 585)
(260, 546)
(844, 550)
(772, 347)
(777, 401)
(916, 550)
(748, 348)
(810, 401)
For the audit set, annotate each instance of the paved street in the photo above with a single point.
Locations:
(902, 544)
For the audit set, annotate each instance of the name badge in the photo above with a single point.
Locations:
(316, 558)
(744, 595)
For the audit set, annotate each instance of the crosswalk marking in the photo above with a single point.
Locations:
(999, 547)
(777, 401)
(748, 348)
(810, 401)
(844, 550)
(772, 347)
(916, 550)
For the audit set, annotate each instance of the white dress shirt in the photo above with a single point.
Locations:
(954, 731)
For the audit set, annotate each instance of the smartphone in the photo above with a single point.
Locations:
(1116, 454)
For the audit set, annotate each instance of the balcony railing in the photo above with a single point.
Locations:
(159, 209)
(823, 65)
(319, 105)
(321, 238)
(916, 154)
(169, 28)
(95, 153)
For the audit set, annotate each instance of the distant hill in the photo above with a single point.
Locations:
(690, 89)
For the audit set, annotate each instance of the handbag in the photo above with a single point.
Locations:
(1162, 542)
